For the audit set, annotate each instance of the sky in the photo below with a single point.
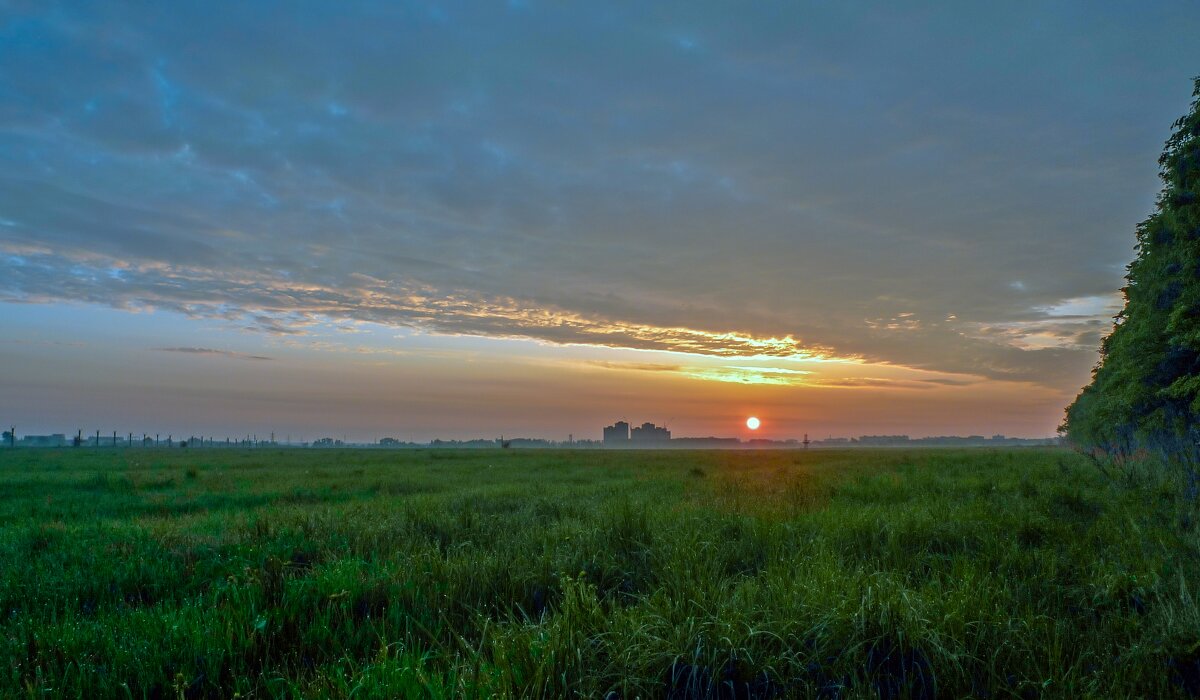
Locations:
(455, 220)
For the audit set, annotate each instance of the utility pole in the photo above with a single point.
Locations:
(97, 438)
(12, 436)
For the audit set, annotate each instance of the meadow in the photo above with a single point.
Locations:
(218, 573)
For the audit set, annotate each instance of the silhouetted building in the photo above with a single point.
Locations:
(649, 434)
(617, 433)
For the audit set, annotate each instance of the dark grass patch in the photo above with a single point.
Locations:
(898, 671)
(398, 488)
(156, 484)
(546, 511)
(179, 505)
(731, 682)
(1073, 504)
(302, 496)
(44, 538)
(1031, 535)
(1184, 669)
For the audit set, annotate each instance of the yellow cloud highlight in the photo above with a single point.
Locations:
(748, 375)
(823, 375)
(273, 302)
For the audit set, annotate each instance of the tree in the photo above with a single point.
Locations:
(1144, 398)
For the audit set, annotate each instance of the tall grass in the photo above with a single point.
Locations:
(1018, 573)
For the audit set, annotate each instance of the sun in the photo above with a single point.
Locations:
(753, 423)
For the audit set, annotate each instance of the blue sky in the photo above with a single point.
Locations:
(464, 219)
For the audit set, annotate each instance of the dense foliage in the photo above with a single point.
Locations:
(619, 574)
(1144, 399)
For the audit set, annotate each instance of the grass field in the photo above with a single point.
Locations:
(438, 573)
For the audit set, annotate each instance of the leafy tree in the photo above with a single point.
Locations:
(1144, 398)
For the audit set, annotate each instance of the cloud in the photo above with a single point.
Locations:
(793, 182)
(866, 382)
(892, 383)
(737, 374)
(216, 353)
(45, 343)
(950, 381)
(634, 366)
(280, 305)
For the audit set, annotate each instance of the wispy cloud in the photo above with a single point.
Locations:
(749, 375)
(276, 303)
(45, 343)
(735, 374)
(216, 353)
(634, 366)
(280, 306)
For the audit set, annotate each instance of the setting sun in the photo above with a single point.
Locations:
(753, 423)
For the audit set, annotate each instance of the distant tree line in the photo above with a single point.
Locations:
(1143, 403)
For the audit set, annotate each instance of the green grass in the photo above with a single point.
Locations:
(270, 573)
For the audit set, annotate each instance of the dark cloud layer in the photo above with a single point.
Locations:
(922, 187)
